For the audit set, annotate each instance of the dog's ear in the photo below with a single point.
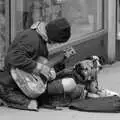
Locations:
(101, 60)
(78, 67)
(88, 58)
(92, 57)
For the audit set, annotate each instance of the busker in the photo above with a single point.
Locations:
(23, 53)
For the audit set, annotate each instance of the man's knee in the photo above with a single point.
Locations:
(65, 85)
(69, 84)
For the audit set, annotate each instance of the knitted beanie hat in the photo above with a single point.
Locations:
(58, 30)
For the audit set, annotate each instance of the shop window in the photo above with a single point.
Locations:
(2, 33)
(85, 16)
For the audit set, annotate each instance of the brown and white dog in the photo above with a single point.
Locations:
(88, 70)
(89, 66)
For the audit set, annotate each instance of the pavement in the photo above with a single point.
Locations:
(108, 78)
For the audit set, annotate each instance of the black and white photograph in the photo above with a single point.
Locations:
(59, 59)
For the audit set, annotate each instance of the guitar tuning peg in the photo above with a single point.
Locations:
(69, 51)
(73, 51)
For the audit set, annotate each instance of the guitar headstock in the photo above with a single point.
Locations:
(69, 51)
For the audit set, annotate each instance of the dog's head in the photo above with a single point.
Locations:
(98, 61)
(86, 70)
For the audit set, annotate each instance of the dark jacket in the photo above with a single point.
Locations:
(22, 53)
(26, 47)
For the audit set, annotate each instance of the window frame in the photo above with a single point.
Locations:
(7, 25)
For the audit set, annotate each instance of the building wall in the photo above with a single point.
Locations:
(96, 46)
(117, 49)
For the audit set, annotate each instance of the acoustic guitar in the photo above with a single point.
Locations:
(32, 85)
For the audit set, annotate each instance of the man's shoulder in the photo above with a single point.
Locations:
(27, 32)
(26, 36)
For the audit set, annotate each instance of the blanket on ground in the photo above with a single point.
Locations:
(103, 104)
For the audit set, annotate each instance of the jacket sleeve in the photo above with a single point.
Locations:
(20, 55)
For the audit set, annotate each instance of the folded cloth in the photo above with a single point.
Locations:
(2, 103)
(14, 98)
(106, 93)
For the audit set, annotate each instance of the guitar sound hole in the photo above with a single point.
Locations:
(44, 79)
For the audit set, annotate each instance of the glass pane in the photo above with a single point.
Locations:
(2, 32)
(118, 19)
(85, 16)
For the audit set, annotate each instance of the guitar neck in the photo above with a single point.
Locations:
(61, 57)
(53, 61)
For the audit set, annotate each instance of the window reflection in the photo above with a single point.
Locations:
(85, 16)
(43, 10)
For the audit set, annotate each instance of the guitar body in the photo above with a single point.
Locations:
(31, 85)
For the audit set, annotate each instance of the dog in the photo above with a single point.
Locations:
(85, 72)
(88, 69)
